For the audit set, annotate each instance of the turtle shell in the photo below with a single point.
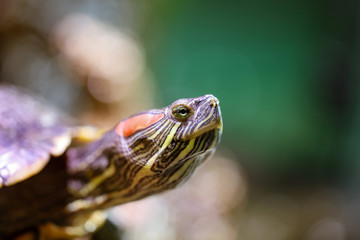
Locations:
(30, 132)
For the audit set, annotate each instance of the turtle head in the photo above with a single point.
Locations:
(164, 146)
(155, 150)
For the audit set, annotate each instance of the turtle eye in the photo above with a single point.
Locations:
(181, 113)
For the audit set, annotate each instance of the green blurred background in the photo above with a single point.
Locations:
(286, 74)
(283, 70)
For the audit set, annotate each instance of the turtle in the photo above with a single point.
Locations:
(57, 177)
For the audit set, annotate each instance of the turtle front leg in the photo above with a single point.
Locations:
(78, 226)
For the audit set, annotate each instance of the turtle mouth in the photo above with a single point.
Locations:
(216, 128)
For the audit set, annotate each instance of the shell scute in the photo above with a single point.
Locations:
(30, 132)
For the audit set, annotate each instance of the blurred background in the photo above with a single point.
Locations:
(286, 74)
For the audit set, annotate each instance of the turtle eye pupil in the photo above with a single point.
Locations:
(181, 113)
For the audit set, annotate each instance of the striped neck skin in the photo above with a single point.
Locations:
(145, 154)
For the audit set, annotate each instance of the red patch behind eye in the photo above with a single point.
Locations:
(129, 126)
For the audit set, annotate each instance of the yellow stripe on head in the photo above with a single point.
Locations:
(166, 143)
